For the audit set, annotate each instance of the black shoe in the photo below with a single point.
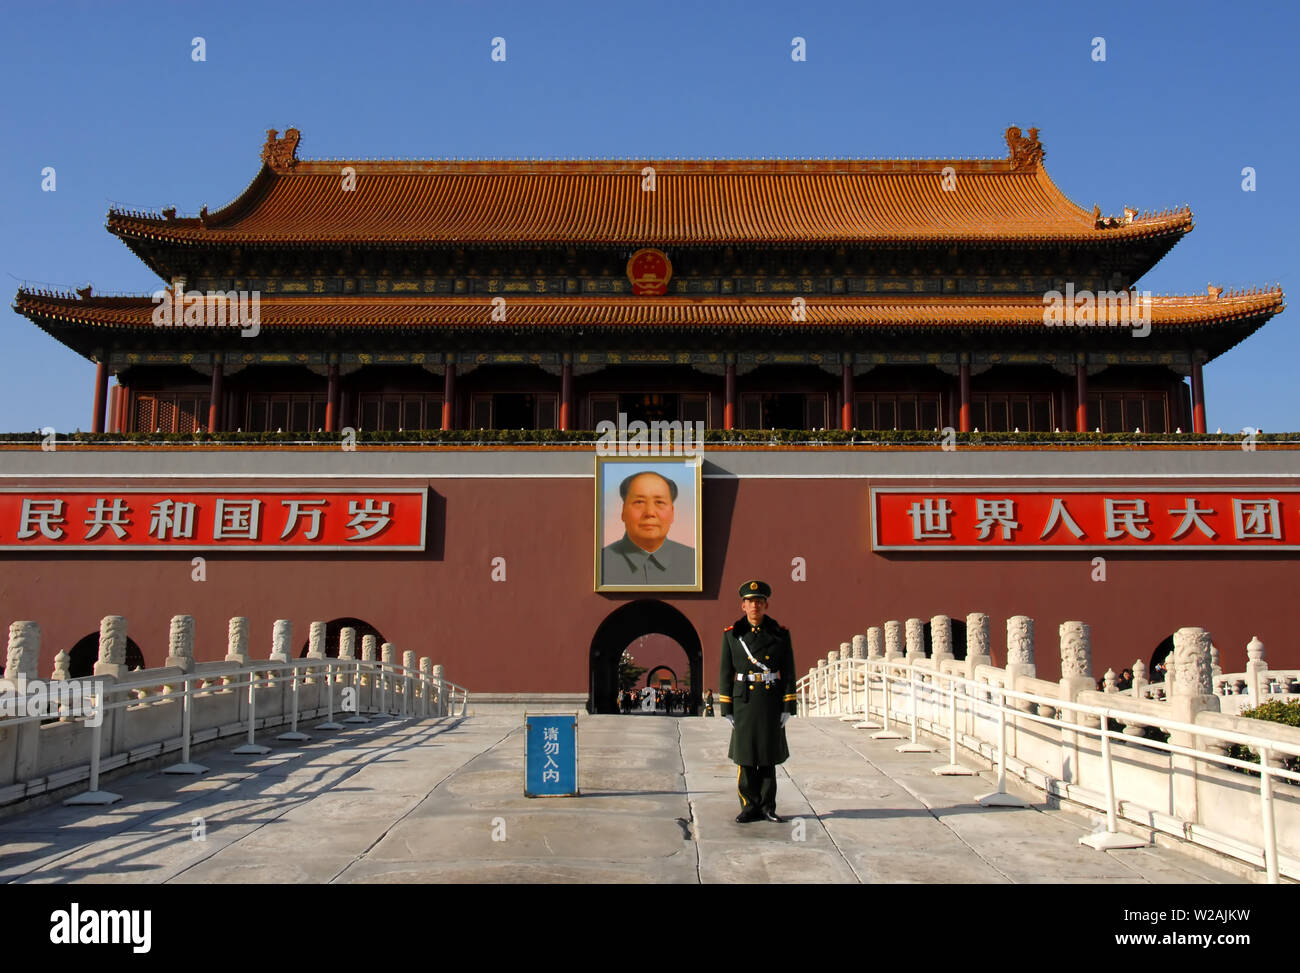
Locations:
(748, 814)
(772, 816)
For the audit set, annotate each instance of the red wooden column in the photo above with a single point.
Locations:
(729, 395)
(101, 392)
(332, 398)
(214, 397)
(114, 408)
(963, 406)
(846, 410)
(566, 393)
(1080, 397)
(1198, 396)
(449, 395)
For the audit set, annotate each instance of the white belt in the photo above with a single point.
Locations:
(757, 676)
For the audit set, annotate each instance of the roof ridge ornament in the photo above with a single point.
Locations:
(281, 153)
(1026, 152)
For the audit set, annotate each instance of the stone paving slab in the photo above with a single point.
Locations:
(442, 801)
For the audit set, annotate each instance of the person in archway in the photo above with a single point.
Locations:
(757, 693)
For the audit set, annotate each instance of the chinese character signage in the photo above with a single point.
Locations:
(263, 520)
(551, 756)
(1047, 520)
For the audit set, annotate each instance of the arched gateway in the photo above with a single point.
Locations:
(626, 624)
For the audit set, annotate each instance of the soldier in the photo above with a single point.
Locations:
(757, 693)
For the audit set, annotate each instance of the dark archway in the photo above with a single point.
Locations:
(649, 676)
(623, 626)
(958, 640)
(332, 630)
(83, 656)
(1157, 658)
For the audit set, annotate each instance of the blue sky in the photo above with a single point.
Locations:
(108, 94)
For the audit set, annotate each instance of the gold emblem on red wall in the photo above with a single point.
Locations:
(649, 271)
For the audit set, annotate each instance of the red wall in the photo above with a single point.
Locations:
(533, 632)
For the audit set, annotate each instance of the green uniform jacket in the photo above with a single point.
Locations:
(757, 739)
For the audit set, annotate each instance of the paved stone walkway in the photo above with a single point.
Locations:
(419, 801)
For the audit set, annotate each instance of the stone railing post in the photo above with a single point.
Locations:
(282, 641)
(112, 647)
(1020, 646)
(859, 652)
(1076, 676)
(1076, 661)
(1110, 682)
(347, 653)
(915, 640)
(426, 677)
(408, 682)
(23, 656)
(893, 640)
(316, 649)
(369, 653)
(1020, 654)
(388, 656)
(236, 650)
(977, 642)
(1256, 670)
(22, 660)
(180, 649)
(941, 640)
(1191, 692)
(440, 687)
(1131, 728)
(875, 642)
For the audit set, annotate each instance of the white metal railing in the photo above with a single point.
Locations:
(139, 692)
(828, 689)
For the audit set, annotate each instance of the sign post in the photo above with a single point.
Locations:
(551, 756)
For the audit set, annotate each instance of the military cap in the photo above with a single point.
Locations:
(755, 589)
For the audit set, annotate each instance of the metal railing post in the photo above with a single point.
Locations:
(94, 796)
(250, 747)
(293, 733)
(358, 716)
(952, 768)
(329, 723)
(187, 723)
(913, 746)
(866, 723)
(1110, 838)
(1266, 806)
(1000, 797)
(886, 733)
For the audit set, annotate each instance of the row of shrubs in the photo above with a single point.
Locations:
(1274, 711)
(827, 437)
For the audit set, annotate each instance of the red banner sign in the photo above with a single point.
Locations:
(1146, 519)
(263, 520)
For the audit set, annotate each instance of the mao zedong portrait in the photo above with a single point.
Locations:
(645, 555)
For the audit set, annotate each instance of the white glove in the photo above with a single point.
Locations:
(730, 719)
(785, 718)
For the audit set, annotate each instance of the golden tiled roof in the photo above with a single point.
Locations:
(678, 313)
(694, 202)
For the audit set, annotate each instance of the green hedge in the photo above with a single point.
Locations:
(507, 437)
(1274, 711)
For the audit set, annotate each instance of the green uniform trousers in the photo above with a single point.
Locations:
(757, 787)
